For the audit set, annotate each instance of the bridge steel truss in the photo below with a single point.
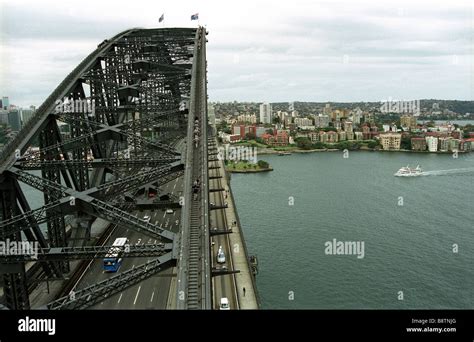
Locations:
(109, 128)
(194, 267)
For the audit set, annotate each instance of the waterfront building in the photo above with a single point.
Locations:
(259, 131)
(333, 137)
(323, 137)
(432, 143)
(366, 132)
(280, 138)
(313, 136)
(243, 130)
(390, 141)
(454, 145)
(418, 144)
(444, 144)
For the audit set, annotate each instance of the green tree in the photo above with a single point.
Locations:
(304, 143)
(263, 164)
(372, 144)
(250, 136)
(405, 143)
(319, 145)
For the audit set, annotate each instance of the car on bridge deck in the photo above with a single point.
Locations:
(224, 304)
(220, 255)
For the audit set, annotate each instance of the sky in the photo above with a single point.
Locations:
(275, 51)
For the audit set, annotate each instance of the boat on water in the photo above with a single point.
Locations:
(407, 171)
(284, 153)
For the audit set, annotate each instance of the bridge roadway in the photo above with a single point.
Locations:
(153, 292)
(224, 285)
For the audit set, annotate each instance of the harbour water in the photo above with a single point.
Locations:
(418, 232)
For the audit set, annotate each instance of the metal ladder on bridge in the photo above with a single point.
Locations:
(194, 258)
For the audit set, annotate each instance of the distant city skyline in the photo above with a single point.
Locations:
(260, 51)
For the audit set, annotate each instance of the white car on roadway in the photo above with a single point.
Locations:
(146, 218)
(169, 211)
(220, 255)
(224, 305)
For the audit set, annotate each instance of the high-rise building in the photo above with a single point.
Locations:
(27, 114)
(14, 120)
(211, 114)
(5, 102)
(356, 115)
(3, 116)
(266, 113)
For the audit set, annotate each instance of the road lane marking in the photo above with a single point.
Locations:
(120, 298)
(151, 300)
(139, 288)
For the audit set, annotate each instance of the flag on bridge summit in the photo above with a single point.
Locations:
(195, 16)
(161, 18)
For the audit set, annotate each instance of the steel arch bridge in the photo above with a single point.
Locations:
(124, 108)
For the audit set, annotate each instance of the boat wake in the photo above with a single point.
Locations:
(447, 172)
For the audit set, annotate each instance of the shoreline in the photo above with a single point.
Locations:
(270, 151)
(250, 170)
